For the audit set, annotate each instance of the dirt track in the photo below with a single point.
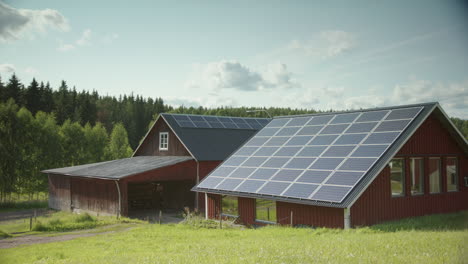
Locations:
(37, 239)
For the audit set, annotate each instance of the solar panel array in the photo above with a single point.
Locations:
(318, 158)
(199, 121)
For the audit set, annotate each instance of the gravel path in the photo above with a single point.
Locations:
(37, 239)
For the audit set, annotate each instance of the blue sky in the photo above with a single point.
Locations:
(255, 53)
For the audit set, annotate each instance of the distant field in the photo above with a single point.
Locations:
(434, 239)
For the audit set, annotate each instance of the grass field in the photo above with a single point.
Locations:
(434, 239)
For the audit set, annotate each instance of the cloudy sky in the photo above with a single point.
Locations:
(273, 53)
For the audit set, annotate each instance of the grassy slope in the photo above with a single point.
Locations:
(185, 244)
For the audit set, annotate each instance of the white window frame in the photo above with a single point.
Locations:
(412, 178)
(161, 143)
(403, 178)
(456, 174)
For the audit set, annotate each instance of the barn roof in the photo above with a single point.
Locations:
(212, 137)
(117, 169)
(325, 159)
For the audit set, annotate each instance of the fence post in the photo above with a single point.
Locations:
(160, 216)
(268, 213)
(30, 223)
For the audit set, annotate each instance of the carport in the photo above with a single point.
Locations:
(126, 187)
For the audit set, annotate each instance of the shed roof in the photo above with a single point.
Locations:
(211, 140)
(117, 169)
(325, 159)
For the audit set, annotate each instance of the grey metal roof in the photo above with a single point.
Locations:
(209, 143)
(117, 169)
(358, 189)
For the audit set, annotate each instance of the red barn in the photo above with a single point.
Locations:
(344, 169)
(175, 154)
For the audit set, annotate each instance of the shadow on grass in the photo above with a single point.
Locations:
(440, 222)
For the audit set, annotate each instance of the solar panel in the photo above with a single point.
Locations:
(318, 158)
(201, 121)
(298, 190)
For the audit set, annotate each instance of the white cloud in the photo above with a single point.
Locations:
(7, 68)
(209, 100)
(85, 38)
(234, 75)
(325, 44)
(66, 47)
(17, 23)
(109, 38)
(452, 96)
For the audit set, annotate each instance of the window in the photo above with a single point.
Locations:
(417, 176)
(397, 177)
(265, 210)
(452, 174)
(434, 175)
(230, 206)
(163, 141)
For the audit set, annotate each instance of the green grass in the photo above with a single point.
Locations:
(61, 222)
(184, 243)
(4, 235)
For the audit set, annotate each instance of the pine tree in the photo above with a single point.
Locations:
(32, 97)
(13, 90)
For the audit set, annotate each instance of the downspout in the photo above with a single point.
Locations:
(198, 180)
(347, 218)
(120, 198)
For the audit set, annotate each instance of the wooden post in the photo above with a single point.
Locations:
(221, 217)
(30, 223)
(292, 219)
(268, 213)
(35, 216)
(160, 216)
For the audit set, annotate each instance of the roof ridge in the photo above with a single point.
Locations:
(359, 110)
(214, 115)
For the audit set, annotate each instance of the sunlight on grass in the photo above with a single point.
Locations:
(184, 243)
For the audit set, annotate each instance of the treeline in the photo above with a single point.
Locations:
(42, 128)
(31, 143)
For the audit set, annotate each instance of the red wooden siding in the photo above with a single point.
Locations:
(246, 207)
(214, 205)
(94, 195)
(59, 192)
(309, 215)
(431, 140)
(150, 145)
(205, 168)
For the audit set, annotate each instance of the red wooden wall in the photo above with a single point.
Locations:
(94, 195)
(150, 145)
(309, 215)
(59, 192)
(431, 140)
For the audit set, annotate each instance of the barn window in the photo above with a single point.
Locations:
(434, 175)
(163, 140)
(417, 176)
(397, 177)
(265, 210)
(452, 174)
(230, 206)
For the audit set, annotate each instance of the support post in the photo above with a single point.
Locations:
(206, 206)
(120, 198)
(292, 220)
(347, 218)
(198, 181)
(221, 215)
